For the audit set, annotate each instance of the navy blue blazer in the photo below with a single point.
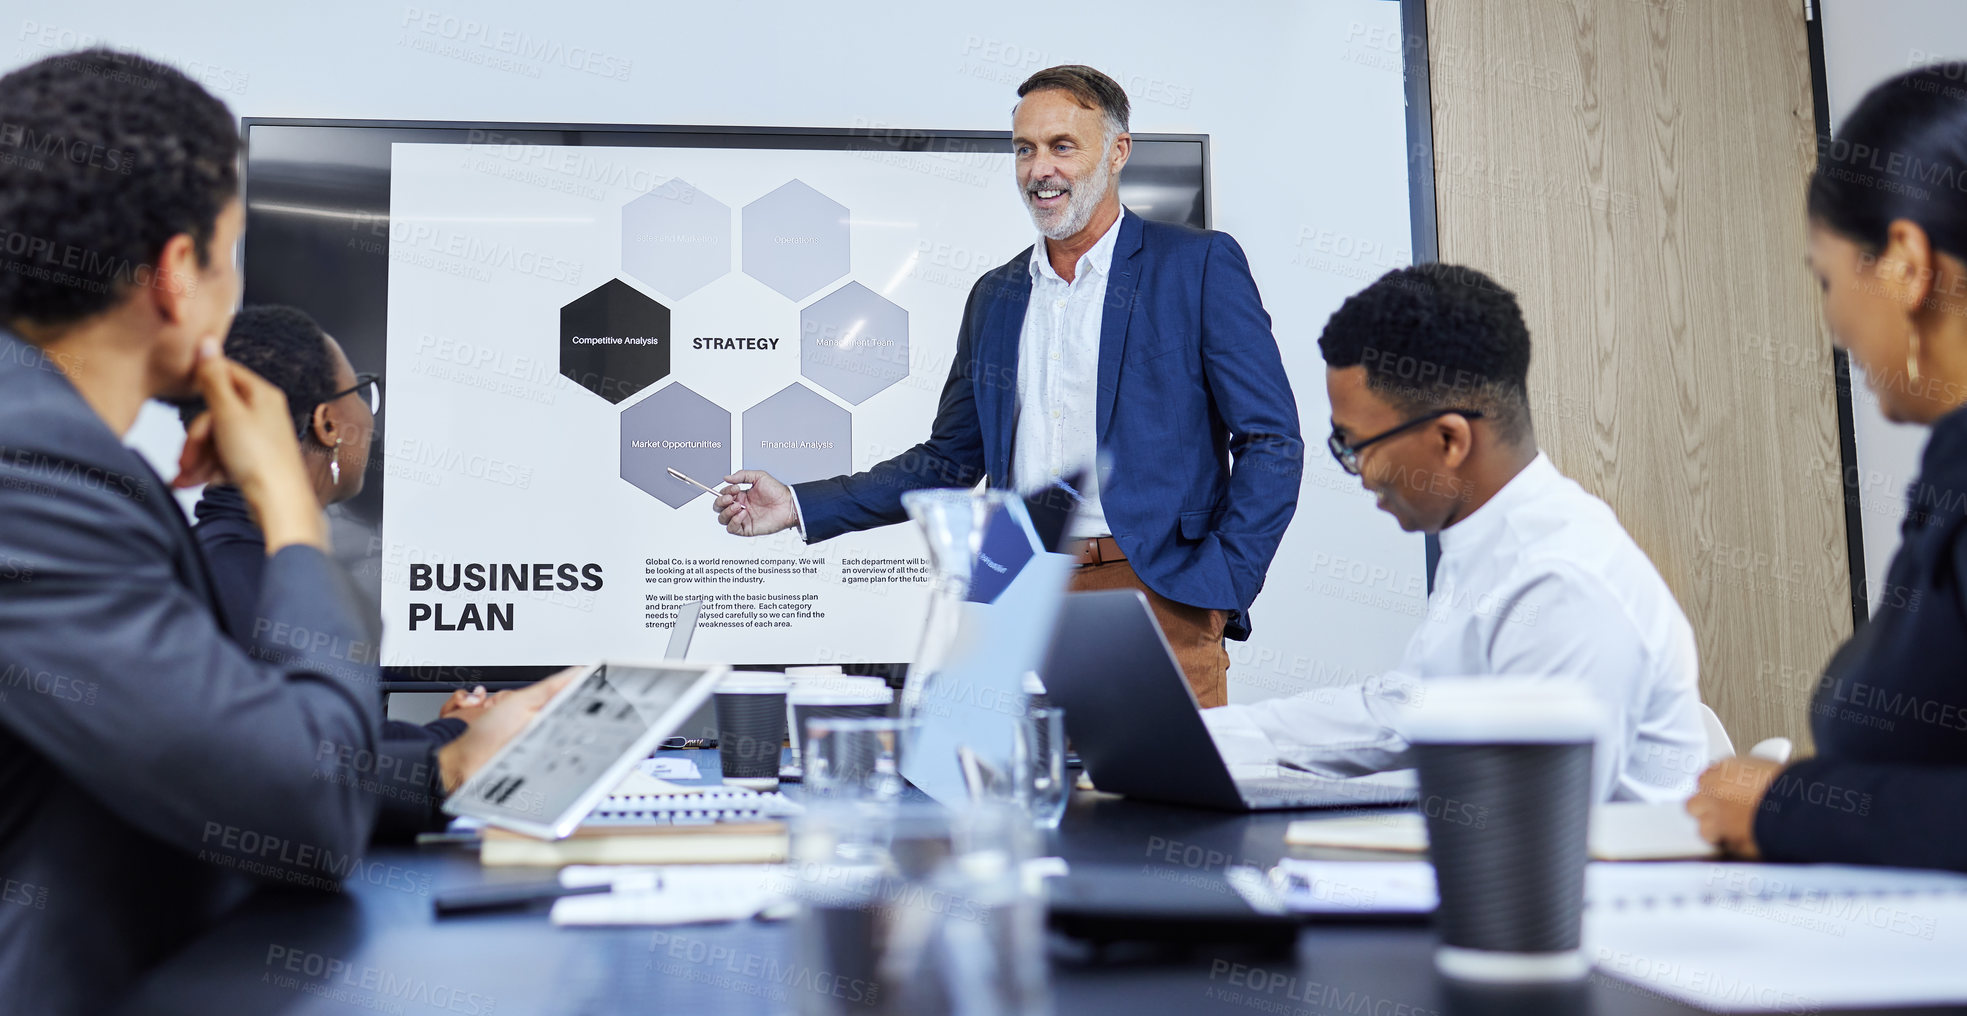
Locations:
(235, 554)
(152, 772)
(1189, 376)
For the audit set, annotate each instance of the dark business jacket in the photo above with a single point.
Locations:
(1189, 375)
(152, 773)
(235, 553)
(1889, 782)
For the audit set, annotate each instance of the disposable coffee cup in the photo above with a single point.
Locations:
(867, 698)
(751, 728)
(1505, 779)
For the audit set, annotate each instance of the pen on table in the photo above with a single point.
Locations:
(462, 838)
(507, 896)
(673, 471)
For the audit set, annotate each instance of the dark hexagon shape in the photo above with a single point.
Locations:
(795, 240)
(853, 342)
(675, 428)
(614, 341)
(676, 239)
(797, 435)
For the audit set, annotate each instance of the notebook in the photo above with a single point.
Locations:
(1625, 831)
(710, 805)
(710, 826)
(1407, 887)
(1781, 938)
(1725, 937)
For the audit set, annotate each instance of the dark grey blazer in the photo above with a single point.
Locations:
(152, 773)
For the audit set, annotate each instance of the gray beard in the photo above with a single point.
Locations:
(1086, 196)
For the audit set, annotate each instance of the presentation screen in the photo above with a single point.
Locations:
(566, 318)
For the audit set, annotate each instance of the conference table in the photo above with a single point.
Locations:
(378, 948)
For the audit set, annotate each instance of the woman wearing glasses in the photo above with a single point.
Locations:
(334, 413)
(1888, 243)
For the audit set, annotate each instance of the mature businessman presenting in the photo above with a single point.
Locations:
(1136, 350)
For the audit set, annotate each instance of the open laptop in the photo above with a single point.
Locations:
(680, 632)
(581, 743)
(1136, 724)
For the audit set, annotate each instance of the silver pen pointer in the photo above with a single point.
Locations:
(673, 471)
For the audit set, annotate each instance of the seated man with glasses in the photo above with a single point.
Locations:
(1427, 370)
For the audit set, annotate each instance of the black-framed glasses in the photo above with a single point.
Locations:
(1348, 454)
(370, 387)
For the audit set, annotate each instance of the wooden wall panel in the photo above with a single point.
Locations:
(1635, 171)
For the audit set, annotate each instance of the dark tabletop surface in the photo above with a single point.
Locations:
(377, 948)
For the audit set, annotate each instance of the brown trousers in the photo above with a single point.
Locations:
(1195, 633)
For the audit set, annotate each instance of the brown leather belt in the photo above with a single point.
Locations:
(1098, 550)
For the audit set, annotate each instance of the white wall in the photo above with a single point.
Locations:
(1302, 99)
(1865, 42)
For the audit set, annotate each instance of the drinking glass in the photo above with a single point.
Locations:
(852, 758)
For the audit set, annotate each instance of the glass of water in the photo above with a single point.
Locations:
(917, 910)
(852, 758)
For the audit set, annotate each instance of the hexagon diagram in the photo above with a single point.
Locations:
(853, 342)
(797, 435)
(795, 240)
(675, 239)
(614, 341)
(675, 428)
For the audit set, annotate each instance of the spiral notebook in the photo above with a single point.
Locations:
(705, 807)
(703, 826)
(1407, 887)
(1725, 937)
(1781, 938)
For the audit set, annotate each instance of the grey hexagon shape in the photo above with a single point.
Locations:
(797, 435)
(677, 428)
(853, 342)
(796, 240)
(676, 239)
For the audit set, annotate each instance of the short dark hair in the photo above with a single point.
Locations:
(104, 156)
(1438, 336)
(1901, 154)
(288, 349)
(1088, 87)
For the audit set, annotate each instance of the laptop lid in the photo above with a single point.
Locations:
(1128, 709)
(680, 632)
(580, 745)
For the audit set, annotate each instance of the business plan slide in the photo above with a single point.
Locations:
(569, 324)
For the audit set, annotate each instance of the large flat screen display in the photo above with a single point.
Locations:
(564, 315)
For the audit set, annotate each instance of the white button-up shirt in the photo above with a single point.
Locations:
(1540, 581)
(1059, 376)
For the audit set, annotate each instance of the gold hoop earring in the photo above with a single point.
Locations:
(334, 463)
(1912, 356)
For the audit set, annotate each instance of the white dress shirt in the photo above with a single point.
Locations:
(1057, 408)
(1540, 581)
(1059, 379)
